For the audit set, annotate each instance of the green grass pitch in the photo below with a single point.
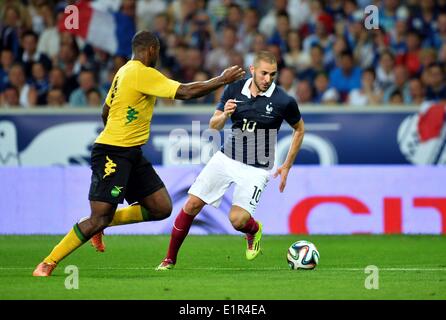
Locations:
(214, 267)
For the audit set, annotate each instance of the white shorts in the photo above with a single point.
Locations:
(218, 175)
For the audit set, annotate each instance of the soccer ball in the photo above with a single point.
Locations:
(302, 255)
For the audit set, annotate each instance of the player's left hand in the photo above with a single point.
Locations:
(232, 74)
(283, 171)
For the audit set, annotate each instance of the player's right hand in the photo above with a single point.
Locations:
(232, 74)
(229, 108)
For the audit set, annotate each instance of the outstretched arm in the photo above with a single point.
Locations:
(296, 142)
(201, 88)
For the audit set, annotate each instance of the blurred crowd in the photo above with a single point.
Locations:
(325, 54)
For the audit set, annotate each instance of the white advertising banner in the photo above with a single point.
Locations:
(316, 200)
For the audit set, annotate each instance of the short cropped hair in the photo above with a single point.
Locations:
(265, 56)
(144, 39)
(30, 33)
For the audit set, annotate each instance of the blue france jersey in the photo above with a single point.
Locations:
(256, 122)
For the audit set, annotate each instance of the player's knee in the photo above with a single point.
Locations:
(193, 205)
(166, 211)
(161, 212)
(237, 222)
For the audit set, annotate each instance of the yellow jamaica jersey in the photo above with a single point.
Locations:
(131, 99)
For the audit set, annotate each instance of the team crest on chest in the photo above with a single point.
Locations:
(269, 108)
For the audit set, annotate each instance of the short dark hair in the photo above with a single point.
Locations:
(396, 92)
(94, 90)
(435, 64)
(283, 13)
(13, 88)
(18, 65)
(88, 71)
(30, 33)
(144, 39)
(346, 53)
(370, 70)
(388, 53)
(230, 28)
(317, 46)
(235, 6)
(322, 73)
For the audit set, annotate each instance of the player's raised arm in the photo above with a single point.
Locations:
(201, 88)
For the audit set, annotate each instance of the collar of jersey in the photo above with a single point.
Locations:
(247, 92)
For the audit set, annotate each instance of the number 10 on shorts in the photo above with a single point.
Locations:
(256, 194)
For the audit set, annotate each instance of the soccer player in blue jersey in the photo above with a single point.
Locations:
(257, 108)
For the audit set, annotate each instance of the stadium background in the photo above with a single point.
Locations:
(373, 155)
(372, 161)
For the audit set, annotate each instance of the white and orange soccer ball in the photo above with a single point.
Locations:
(302, 255)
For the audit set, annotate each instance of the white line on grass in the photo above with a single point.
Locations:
(239, 269)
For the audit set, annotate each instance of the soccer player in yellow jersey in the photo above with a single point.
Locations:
(119, 169)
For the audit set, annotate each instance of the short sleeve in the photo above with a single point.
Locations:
(292, 113)
(152, 82)
(224, 97)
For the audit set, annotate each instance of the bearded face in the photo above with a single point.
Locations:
(263, 75)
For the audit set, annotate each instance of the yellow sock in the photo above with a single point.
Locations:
(130, 214)
(73, 240)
